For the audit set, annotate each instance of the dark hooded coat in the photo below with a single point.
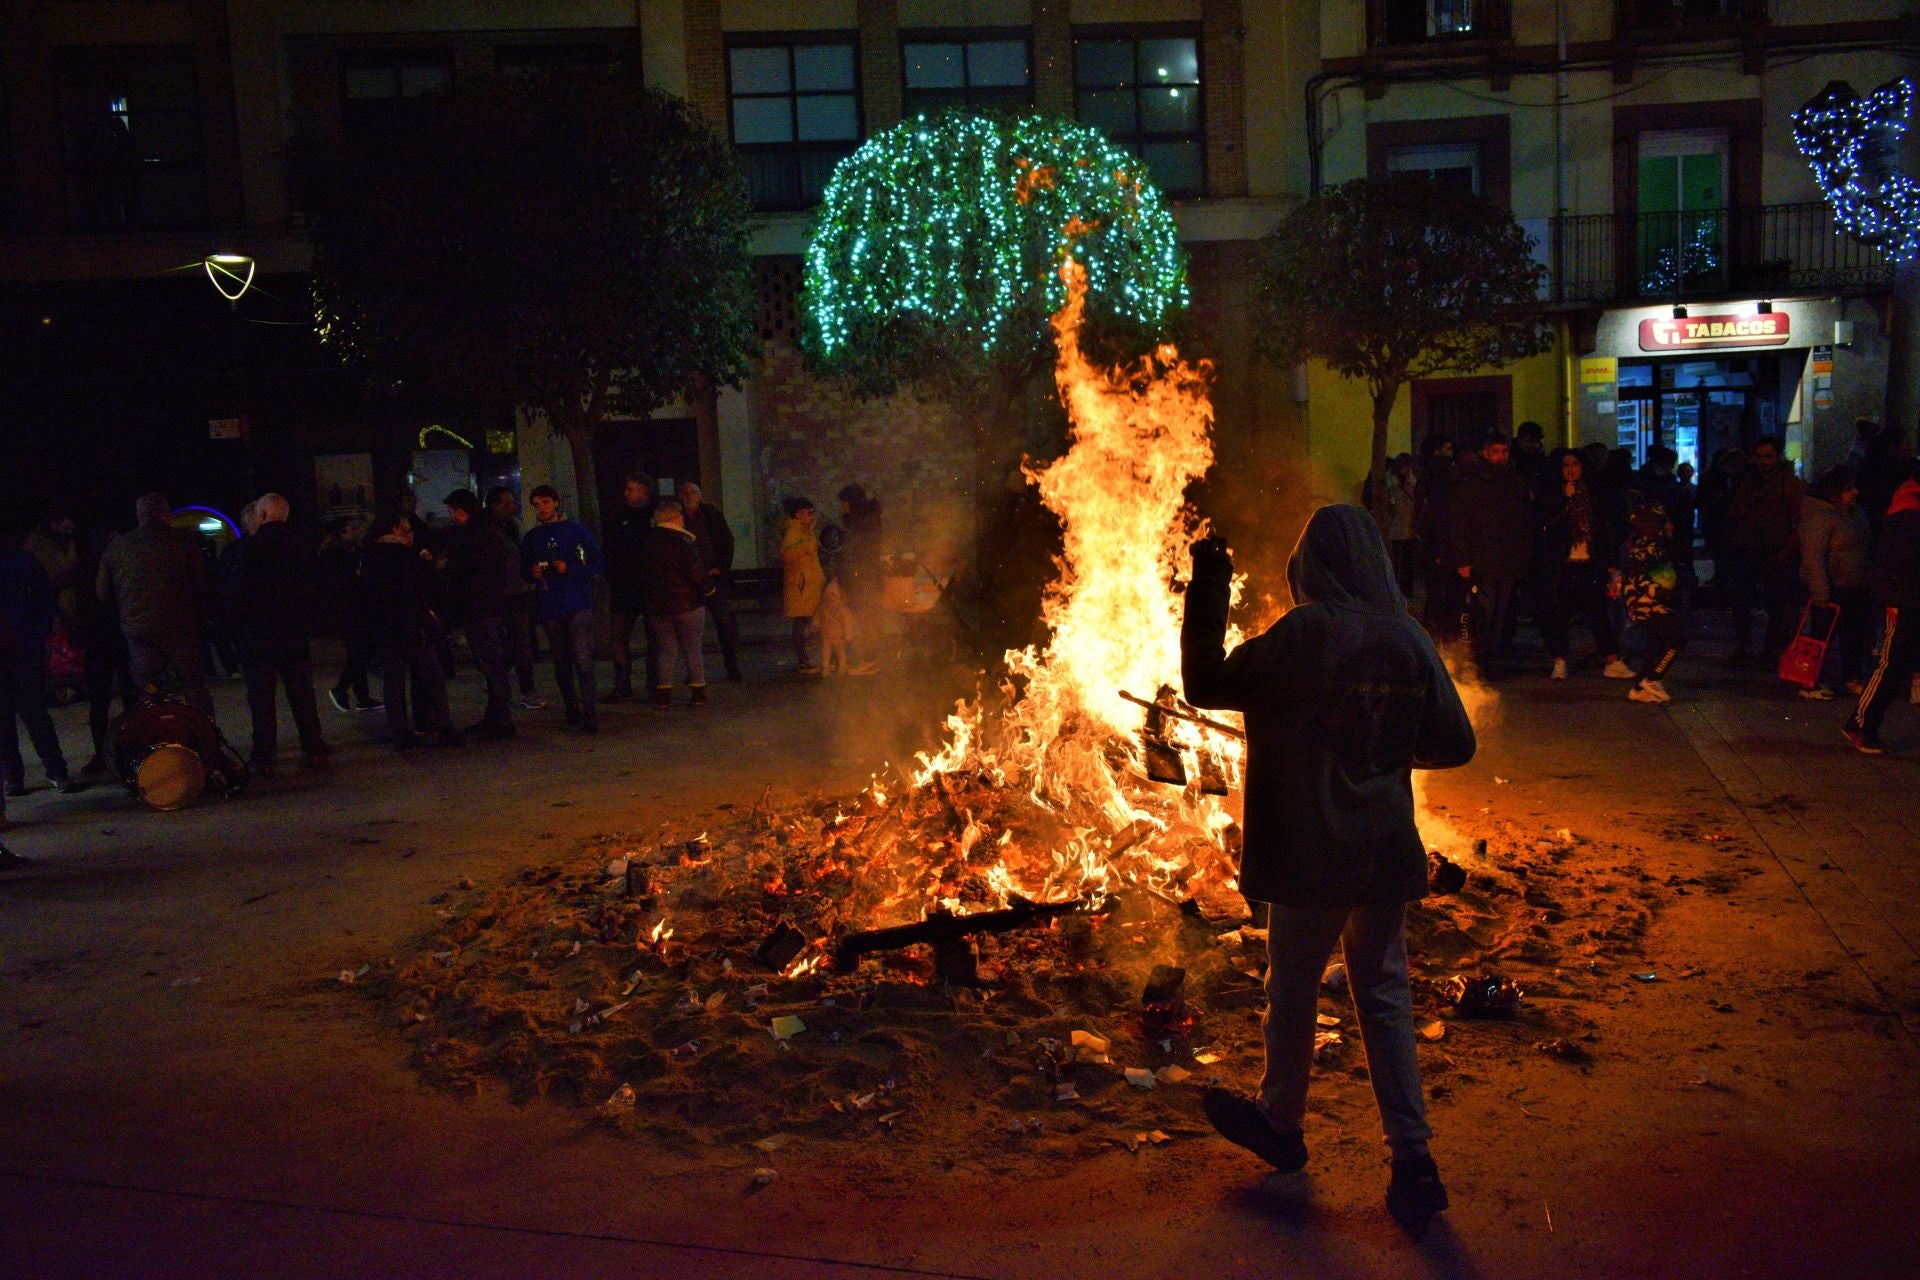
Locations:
(1344, 696)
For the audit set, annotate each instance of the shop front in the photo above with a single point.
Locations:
(1721, 375)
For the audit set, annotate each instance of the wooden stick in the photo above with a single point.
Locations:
(1215, 725)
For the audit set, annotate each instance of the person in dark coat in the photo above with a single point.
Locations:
(404, 632)
(1650, 592)
(1433, 526)
(629, 530)
(1344, 696)
(340, 613)
(710, 531)
(155, 579)
(1763, 526)
(27, 607)
(503, 509)
(269, 606)
(1893, 576)
(1492, 545)
(1578, 550)
(483, 567)
(1835, 537)
(1887, 463)
(860, 570)
(674, 586)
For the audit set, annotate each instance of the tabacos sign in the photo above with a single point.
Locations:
(1714, 331)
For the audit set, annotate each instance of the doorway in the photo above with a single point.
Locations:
(1697, 407)
(668, 449)
(1463, 411)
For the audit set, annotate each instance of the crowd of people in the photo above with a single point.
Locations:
(1584, 536)
(154, 608)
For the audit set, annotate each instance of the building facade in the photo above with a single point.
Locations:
(1644, 144)
(1702, 292)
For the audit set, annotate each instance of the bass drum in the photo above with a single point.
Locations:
(167, 776)
(169, 755)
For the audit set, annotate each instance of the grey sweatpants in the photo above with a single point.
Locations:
(1299, 940)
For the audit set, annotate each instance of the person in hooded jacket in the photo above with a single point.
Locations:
(801, 578)
(1344, 696)
(1893, 577)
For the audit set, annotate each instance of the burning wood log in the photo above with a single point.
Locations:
(951, 936)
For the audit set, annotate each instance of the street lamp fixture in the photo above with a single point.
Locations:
(1765, 308)
(231, 273)
(1680, 311)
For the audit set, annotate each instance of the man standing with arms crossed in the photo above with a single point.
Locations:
(1344, 696)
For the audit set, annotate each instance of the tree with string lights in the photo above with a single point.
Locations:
(934, 255)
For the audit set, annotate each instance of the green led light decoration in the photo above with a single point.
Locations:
(1853, 144)
(950, 230)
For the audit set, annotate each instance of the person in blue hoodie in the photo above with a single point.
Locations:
(1344, 696)
(561, 559)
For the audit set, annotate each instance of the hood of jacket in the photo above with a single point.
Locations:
(1341, 559)
(1905, 498)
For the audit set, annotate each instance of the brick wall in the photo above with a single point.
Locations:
(916, 456)
(706, 62)
(880, 72)
(1223, 57)
(1053, 57)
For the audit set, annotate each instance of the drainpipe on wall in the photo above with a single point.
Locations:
(1569, 427)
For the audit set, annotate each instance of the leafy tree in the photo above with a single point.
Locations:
(934, 262)
(576, 243)
(1395, 278)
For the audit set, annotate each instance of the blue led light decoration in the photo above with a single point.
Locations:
(937, 246)
(1853, 144)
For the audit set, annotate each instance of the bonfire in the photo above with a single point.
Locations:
(758, 978)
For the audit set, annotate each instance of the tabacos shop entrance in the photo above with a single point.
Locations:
(1721, 375)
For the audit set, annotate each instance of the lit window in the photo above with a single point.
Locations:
(1143, 92)
(972, 74)
(376, 88)
(130, 137)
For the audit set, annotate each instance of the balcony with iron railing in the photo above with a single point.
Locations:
(1673, 257)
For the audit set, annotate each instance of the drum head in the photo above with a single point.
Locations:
(169, 776)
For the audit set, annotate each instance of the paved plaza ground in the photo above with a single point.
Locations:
(184, 1091)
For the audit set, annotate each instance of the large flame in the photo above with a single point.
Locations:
(1066, 739)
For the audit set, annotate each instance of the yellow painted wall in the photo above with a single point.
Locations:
(1340, 415)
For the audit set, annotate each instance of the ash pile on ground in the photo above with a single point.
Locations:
(565, 984)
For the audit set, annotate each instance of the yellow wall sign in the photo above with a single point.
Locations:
(1599, 369)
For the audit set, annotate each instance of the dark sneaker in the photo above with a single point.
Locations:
(67, 786)
(1240, 1121)
(93, 766)
(338, 697)
(371, 704)
(16, 789)
(1865, 745)
(1416, 1193)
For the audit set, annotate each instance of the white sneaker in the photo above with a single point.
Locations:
(1618, 670)
(530, 702)
(1649, 691)
(1559, 671)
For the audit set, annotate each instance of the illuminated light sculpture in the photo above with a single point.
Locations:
(951, 226)
(1852, 143)
(226, 271)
